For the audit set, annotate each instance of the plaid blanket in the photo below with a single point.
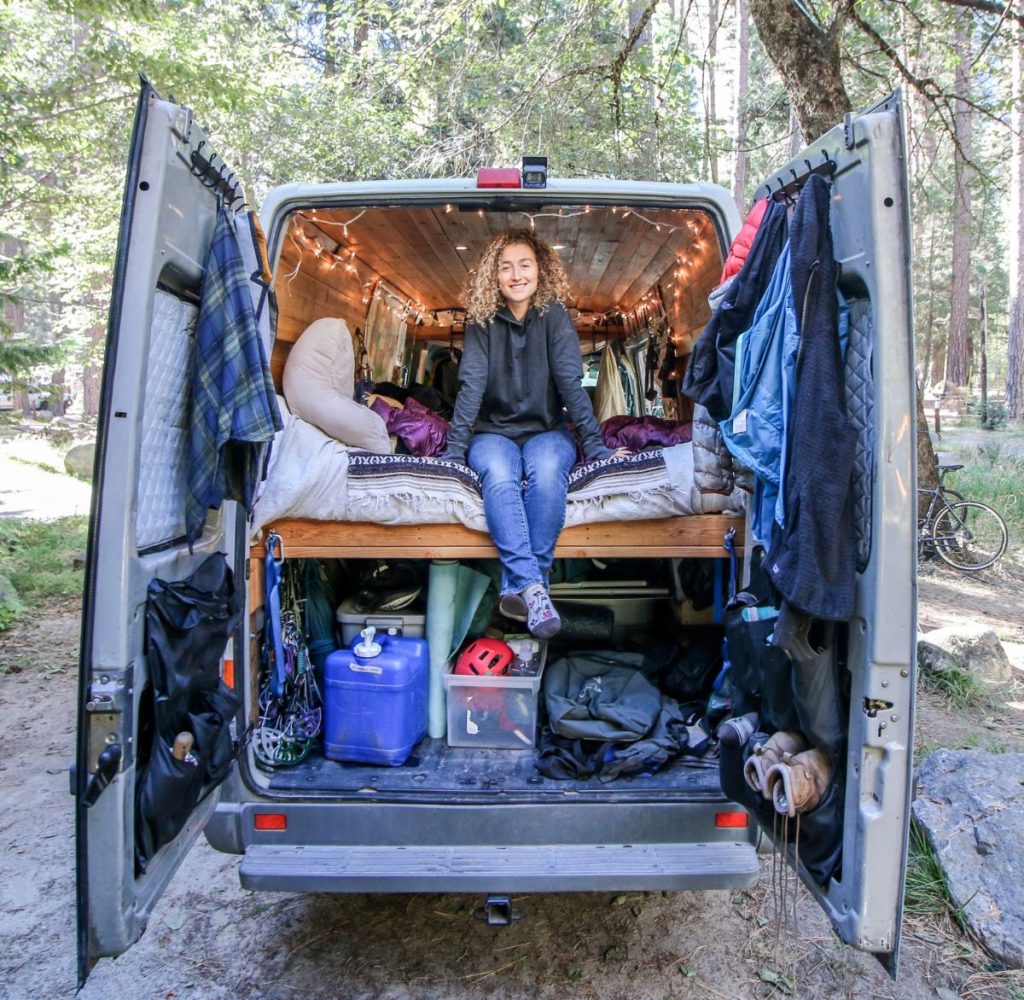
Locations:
(233, 408)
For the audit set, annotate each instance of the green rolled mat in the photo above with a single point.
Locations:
(453, 594)
(585, 623)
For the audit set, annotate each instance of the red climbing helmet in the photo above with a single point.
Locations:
(483, 657)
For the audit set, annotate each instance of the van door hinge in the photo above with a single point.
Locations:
(183, 124)
(848, 137)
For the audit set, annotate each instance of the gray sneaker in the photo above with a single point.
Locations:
(513, 606)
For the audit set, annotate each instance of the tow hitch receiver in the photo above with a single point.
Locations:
(497, 911)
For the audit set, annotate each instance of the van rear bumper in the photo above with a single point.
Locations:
(499, 869)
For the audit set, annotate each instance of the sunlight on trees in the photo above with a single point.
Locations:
(349, 89)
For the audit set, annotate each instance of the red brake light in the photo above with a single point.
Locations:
(270, 821)
(498, 177)
(738, 820)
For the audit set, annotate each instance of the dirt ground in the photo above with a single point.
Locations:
(209, 938)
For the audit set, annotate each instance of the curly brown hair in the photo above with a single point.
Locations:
(481, 294)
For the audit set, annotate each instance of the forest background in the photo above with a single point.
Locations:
(668, 90)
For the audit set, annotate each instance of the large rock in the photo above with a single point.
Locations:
(970, 804)
(79, 460)
(974, 649)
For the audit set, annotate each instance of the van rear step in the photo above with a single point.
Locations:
(527, 868)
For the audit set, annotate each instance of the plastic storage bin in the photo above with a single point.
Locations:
(406, 623)
(497, 711)
(375, 703)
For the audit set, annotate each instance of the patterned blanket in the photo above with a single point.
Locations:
(313, 476)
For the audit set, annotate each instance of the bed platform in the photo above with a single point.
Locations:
(693, 536)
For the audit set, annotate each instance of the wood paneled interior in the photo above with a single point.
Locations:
(613, 257)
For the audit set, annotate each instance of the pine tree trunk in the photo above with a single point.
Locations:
(956, 350)
(711, 117)
(1015, 313)
(739, 177)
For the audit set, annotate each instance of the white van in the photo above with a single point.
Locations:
(642, 258)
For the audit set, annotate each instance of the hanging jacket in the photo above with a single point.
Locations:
(755, 431)
(709, 376)
(811, 558)
(609, 393)
(739, 249)
(234, 410)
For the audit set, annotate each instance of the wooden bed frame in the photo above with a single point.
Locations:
(694, 536)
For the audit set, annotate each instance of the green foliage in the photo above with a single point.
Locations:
(994, 417)
(962, 690)
(994, 475)
(927, 897)
(37, 558)
(339, 90)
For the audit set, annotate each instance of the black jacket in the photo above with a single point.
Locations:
(516, 378)
(812, 560)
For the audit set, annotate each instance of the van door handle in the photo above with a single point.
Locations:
(106, 767)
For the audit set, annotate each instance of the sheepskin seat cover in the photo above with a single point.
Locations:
(318, 383)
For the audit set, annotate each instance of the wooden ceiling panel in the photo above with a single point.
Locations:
(612, 257)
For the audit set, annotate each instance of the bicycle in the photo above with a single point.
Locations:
(966, 534)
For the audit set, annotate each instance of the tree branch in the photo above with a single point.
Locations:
(987, 7)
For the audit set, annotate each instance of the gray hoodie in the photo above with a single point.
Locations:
(519, 378)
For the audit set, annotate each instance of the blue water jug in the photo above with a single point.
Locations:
(375, 699)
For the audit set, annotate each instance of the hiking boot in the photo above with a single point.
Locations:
(798, 781)
(736, 732)
(542, 619)
(766, 755)
(513, 606)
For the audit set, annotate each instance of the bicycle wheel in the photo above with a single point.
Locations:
(969, 535)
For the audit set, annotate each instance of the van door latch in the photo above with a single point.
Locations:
(109, 693)
(498, 911)
(872, 706)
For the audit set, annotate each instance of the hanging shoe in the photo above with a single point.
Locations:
(513, 606)
(542, 619)
(798, 781)
(766, 755)
(736, 731)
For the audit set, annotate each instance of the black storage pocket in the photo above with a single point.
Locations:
(209, 726)
(188, 624)
(168, 792)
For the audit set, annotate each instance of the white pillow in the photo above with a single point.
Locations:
(318, 385)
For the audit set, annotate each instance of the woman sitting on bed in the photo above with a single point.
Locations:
(520, 371)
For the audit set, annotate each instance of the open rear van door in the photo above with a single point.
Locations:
(137, 536)
(865, 159)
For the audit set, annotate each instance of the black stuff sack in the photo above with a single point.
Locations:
(601, 696)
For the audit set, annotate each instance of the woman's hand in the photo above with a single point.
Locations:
(621, 453)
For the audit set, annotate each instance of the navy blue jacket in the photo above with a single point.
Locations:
(811, 559)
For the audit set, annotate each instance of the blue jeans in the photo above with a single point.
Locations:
(524, 519)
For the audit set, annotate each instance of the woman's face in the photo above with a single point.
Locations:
(518, 275)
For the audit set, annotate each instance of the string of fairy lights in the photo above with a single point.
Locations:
(334, 257)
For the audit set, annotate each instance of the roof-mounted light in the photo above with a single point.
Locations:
(498, 177)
